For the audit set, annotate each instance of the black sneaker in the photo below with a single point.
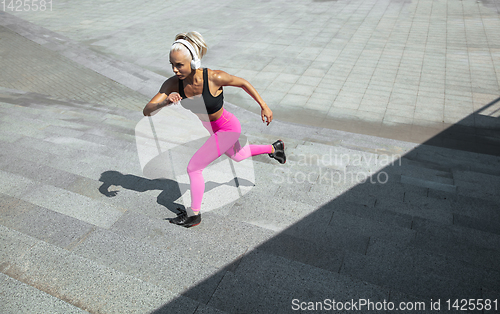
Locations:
(184, 220)
(279, 152)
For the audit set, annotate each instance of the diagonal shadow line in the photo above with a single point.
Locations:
(431, 231)
(478, 133)
(493, 102)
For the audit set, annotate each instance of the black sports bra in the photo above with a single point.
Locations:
(211, 104)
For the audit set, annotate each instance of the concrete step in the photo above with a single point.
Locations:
(78, 197)
(63, 201)
(148, 249)
(470, 245)
(476, 213)
(71, 154)
(275, 281)
(81, 282)
(339, 156)
(416, 268)
(456, 159)
(75, 116)
(479, 185)
(18, 297)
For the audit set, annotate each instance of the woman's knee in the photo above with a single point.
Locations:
(235, 157)
(194, 167)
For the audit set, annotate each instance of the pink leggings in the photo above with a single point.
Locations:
(225, 133)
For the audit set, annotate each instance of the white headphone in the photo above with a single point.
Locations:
(195, 62)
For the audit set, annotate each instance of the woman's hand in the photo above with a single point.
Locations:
(266, 114)
(173, 98)
(159, 101)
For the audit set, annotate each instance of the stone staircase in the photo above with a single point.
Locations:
(429, 229)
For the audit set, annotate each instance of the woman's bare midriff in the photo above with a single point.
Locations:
(210, 117)
(198, 90)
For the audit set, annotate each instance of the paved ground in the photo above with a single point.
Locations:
(362, 209)
(397, 69)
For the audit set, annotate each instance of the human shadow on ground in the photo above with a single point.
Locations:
(171, 190)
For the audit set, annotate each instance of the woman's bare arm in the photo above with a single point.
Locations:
(167, 95)
(221, 78)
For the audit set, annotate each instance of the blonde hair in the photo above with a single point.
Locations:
(195, 39)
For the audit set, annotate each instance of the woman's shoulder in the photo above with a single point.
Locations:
(211, 72)
(170, 85)
(217, 76)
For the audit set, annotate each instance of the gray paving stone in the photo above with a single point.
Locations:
(74, 205)
(146, 262)
(47, 147)
(114, 144)
(476, 185)
(413, 279)
(265, 217)
(10, 137)
(476, 208)
(421, 198)
(14, 244)
(43, 224)
(387, 217)
(358, 196)
(14, 151)
(316, 228)
(155, 203)
(38, 173)
(236, 294)
(443, 266)
(201, 248)
(15, 185)
(80, 168)
(441, 195)
(345, 223)
(231, 230)
(63, 131)
(22, 129)
(58, 272)
(309, 252)
(491, 226)
(303, 281)
(424, 209)
(18, 297)
(289, 206)
(473, 246)
(9, 207)
(461, 159)
(428, 184)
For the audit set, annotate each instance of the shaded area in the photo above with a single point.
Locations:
(430, 231)
(492, 4)
(479, 132)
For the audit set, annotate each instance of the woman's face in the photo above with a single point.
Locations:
(181, 63)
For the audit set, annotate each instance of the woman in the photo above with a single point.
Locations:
(191, 81)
